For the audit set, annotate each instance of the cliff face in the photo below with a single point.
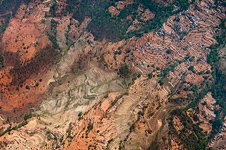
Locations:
(112, 75)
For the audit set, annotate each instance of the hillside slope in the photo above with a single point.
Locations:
(133, 74)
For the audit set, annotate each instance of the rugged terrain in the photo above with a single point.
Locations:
(133, 74)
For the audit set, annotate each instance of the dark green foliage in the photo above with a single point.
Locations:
(79, 114)
(166, 71)
(192, 58)
(182, 4)
(53, 8)
(132, 127)
(161, 82)
(194, 88)
(218, 88)
(191, 68)
(217, 125)
(191, 135)
(150, 75)
(5, 23)
(130, 10)
(71, 5)
(27, 87)
(139, 75)
(212, 58)
(9, 129)
(90, 126)
(104, 25)
(27, 116)
(114, 102)
(195, 117)
(205, 77)
(1, 59)
(162, 13)
(155, 7)
(201, 72)
(197, 97)
(168, 51)
(53, 33)
(208, 72)
(124, 70)
(6, 7)
(169, 68)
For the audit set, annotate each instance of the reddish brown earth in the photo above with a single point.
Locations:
(28, 55)
(70, 82)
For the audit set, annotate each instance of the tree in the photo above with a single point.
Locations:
(168, 51)
(1, 59)
(150, 75)
(123, 70)
(161, 82)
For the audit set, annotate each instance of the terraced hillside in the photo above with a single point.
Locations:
(101, 74)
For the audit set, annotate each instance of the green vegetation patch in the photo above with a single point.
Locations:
(1, 59)
(218, 88)
(28, 116)
(53, 33)
(123, 71)
(5, 23)
(9, 129)
(104, 25)
(9, 8)
(191, 135)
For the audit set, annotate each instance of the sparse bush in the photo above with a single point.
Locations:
(150, 75)
(90, 126)
(43, 21)
(1, 59)
(161, 82)
(27, 87)
(158, 68)
(191, 68)
(80, 115)
(205, 77)
(168, 51)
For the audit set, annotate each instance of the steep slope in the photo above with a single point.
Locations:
(112, 75)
